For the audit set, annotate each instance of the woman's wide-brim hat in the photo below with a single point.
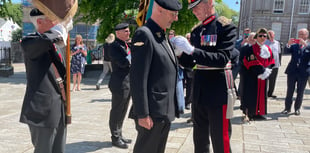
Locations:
(57, 10)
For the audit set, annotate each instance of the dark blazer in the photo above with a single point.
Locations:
(42, 104)
(120, 75)
(298, 64)
(153, 74)
(106, 56)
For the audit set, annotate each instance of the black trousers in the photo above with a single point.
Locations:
(211, 122)
(154, 140)
(120, 102)
(292, 81)
(272, 81)
(48, 140)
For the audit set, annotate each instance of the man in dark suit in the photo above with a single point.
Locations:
(153, 77)
(44, 103)
(297, 70)
(119, 84)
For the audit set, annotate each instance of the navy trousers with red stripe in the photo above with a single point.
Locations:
(211, 122)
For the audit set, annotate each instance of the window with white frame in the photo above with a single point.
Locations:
(278, 6)
(304, 6)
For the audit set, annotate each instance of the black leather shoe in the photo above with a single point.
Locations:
(120, 144)
(126, 140)
(297, 112)
(259, 117)
(273, 96)
(285, 111)
(187, 106)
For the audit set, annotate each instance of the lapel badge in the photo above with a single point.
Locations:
(158, 34)
(252, 57)
(138, 44)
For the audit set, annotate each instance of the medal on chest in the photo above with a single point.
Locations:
(208, 40)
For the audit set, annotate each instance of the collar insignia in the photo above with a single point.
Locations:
(158, 34)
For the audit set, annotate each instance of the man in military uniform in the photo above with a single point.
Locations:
(213, 41)
(119, 84)
(153, 78)
(44, 102)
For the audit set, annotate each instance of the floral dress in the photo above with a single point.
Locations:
(77, 60)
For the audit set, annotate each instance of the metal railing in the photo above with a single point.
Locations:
(5, 57)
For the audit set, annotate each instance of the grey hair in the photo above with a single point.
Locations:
(304, 29)
(34, 19)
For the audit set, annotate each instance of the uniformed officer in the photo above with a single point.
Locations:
(213, 41)
(119, 84)
(153, 77)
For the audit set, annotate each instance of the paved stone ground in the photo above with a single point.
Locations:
(89, 130)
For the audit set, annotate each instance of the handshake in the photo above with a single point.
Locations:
(181, 44)
(265, 75)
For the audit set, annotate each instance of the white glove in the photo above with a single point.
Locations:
(265, 75)
(182, 45)
(129, 58)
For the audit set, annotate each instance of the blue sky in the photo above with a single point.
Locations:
(16, 1)
(232, 4)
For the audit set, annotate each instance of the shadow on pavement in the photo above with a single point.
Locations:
(87, 146)
(16, 78)
(306, 107)
(100, 100)
(175, 126)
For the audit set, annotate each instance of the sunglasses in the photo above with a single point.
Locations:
(262, 36)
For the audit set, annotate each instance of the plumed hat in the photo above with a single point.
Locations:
(57, 10)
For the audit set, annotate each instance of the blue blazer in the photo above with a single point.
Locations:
(299, 61)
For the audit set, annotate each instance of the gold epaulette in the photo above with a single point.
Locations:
(224, 21)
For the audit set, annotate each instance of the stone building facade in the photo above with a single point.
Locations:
(285, 17)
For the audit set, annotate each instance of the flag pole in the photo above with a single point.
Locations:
(68, 81)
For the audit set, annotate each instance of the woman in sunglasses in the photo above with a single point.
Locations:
(257, 65)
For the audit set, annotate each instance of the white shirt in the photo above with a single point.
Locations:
(276, 50)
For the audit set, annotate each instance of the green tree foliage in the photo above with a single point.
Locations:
(223, 10)
(111, 12)
(107, 12)
(17, 35)
(10, 10)
(3, 8)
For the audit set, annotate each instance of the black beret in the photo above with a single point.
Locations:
(35, 12)
(172, 5)
(121, 26)
(193, 3)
